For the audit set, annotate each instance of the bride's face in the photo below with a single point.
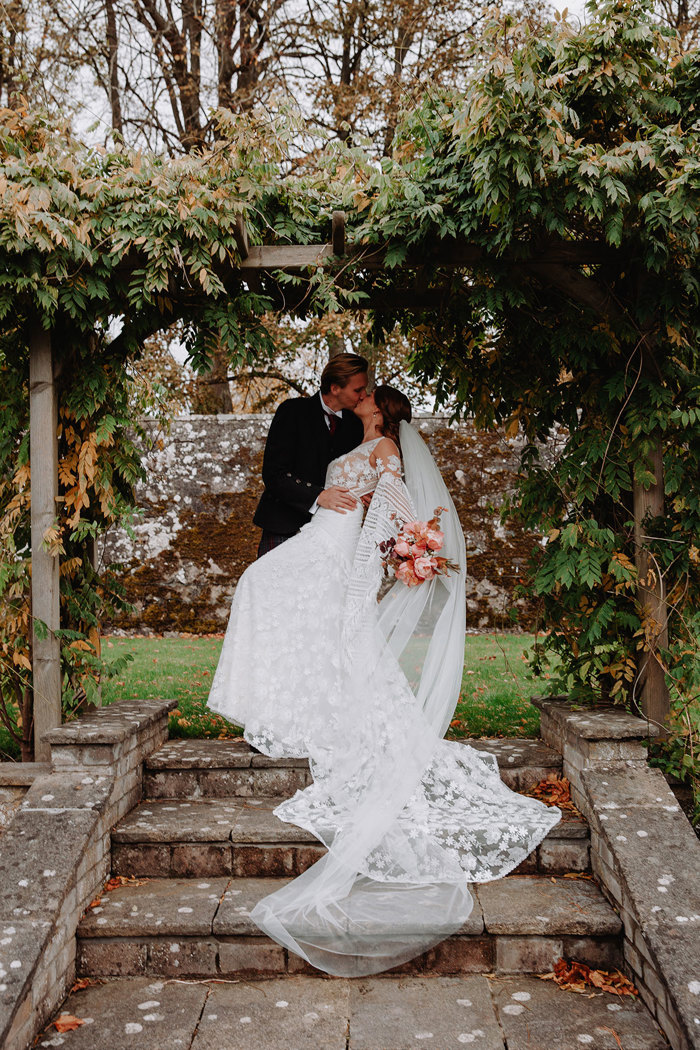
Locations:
(367, 408)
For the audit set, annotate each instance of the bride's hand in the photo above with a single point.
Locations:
(337, 498)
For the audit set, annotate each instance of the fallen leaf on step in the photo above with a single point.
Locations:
(574, 976)
(67, 1023)
(554, 791)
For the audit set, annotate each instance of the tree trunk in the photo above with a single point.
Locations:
(213, 394)
(649, 502)
(113, 80)
(43, 450)
(336, 344)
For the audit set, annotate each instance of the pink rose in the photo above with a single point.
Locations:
(435, 539)
(418, 549)
(406, 574)
(412, 528)
(424, 568)
(402, 549)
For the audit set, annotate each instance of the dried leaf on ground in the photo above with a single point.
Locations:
(554, 791)
(85, 982)
(574, 976)
(67, 1023)
(113, 884)
(122, 880)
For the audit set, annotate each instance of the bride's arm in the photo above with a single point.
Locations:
(387, 459)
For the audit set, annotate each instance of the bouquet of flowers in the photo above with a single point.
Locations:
(412, 555)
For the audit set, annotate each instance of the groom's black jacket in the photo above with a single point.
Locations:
(297, 453)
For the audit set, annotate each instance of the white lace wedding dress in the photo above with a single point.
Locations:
(313, 665)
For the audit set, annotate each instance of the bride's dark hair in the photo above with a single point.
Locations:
(394, 406)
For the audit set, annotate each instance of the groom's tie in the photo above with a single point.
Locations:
(332, 423)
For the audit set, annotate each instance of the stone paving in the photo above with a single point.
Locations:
(311, 1013)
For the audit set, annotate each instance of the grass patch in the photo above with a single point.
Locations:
(495, 697)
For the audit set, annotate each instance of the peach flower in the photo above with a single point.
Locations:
(402, 548)
(424, 568)
(406, 574)
(435, 539)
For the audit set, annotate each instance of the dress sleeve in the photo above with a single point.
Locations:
(391, 508)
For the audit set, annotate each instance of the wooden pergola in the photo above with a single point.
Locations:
(555, 263)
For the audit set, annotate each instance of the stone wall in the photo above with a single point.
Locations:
(196, 535)
(644, 854)
(55, 854)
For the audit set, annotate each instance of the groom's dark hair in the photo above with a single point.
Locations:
(340, 370)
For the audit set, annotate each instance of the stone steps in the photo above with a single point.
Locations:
(222, 768)
(242, 836)
(503, 1013)
(202, 928)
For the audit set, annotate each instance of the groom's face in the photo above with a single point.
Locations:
(354, 391)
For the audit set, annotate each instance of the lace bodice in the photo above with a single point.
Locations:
(355, 471)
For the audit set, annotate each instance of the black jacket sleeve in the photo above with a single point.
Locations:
(279, 475)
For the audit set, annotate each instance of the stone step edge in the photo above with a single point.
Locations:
(248, 759)
(241, 956)
(478, 923)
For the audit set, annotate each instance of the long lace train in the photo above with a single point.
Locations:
(312, 666)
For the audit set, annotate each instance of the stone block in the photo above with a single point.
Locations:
(545, 907)
(273, 861)
(461, 955)
(215, 783)
(140, 860)
(159, 907)
(527, 954)
(422, 1012)
(255, 822)
(39, 860)
(275, 1015)
(527, 866)
(601, 953)
(538, 1015)
(111, 958)
(281, 783)
(167, 783)
(22, 944)
(139, 1014)
(251, 955)
(241, 896)
(69, 791)
(179, 820)
(171, 957)
(556, 856)
(202, 754)
(200, 859)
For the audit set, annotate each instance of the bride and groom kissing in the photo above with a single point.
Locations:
(314, 665)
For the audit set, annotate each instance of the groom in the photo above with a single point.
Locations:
(306, 433)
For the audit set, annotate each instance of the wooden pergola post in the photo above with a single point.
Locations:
(649, 500)
(43, 451)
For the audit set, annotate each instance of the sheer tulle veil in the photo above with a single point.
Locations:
(378, 898)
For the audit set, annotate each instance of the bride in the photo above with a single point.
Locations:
(313, 665)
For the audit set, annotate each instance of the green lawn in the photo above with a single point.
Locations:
(494, 700)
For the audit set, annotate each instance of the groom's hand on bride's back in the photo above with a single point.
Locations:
(337, 498)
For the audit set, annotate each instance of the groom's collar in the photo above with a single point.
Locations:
(329, 411)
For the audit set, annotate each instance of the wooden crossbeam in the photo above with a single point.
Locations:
(451, 256)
